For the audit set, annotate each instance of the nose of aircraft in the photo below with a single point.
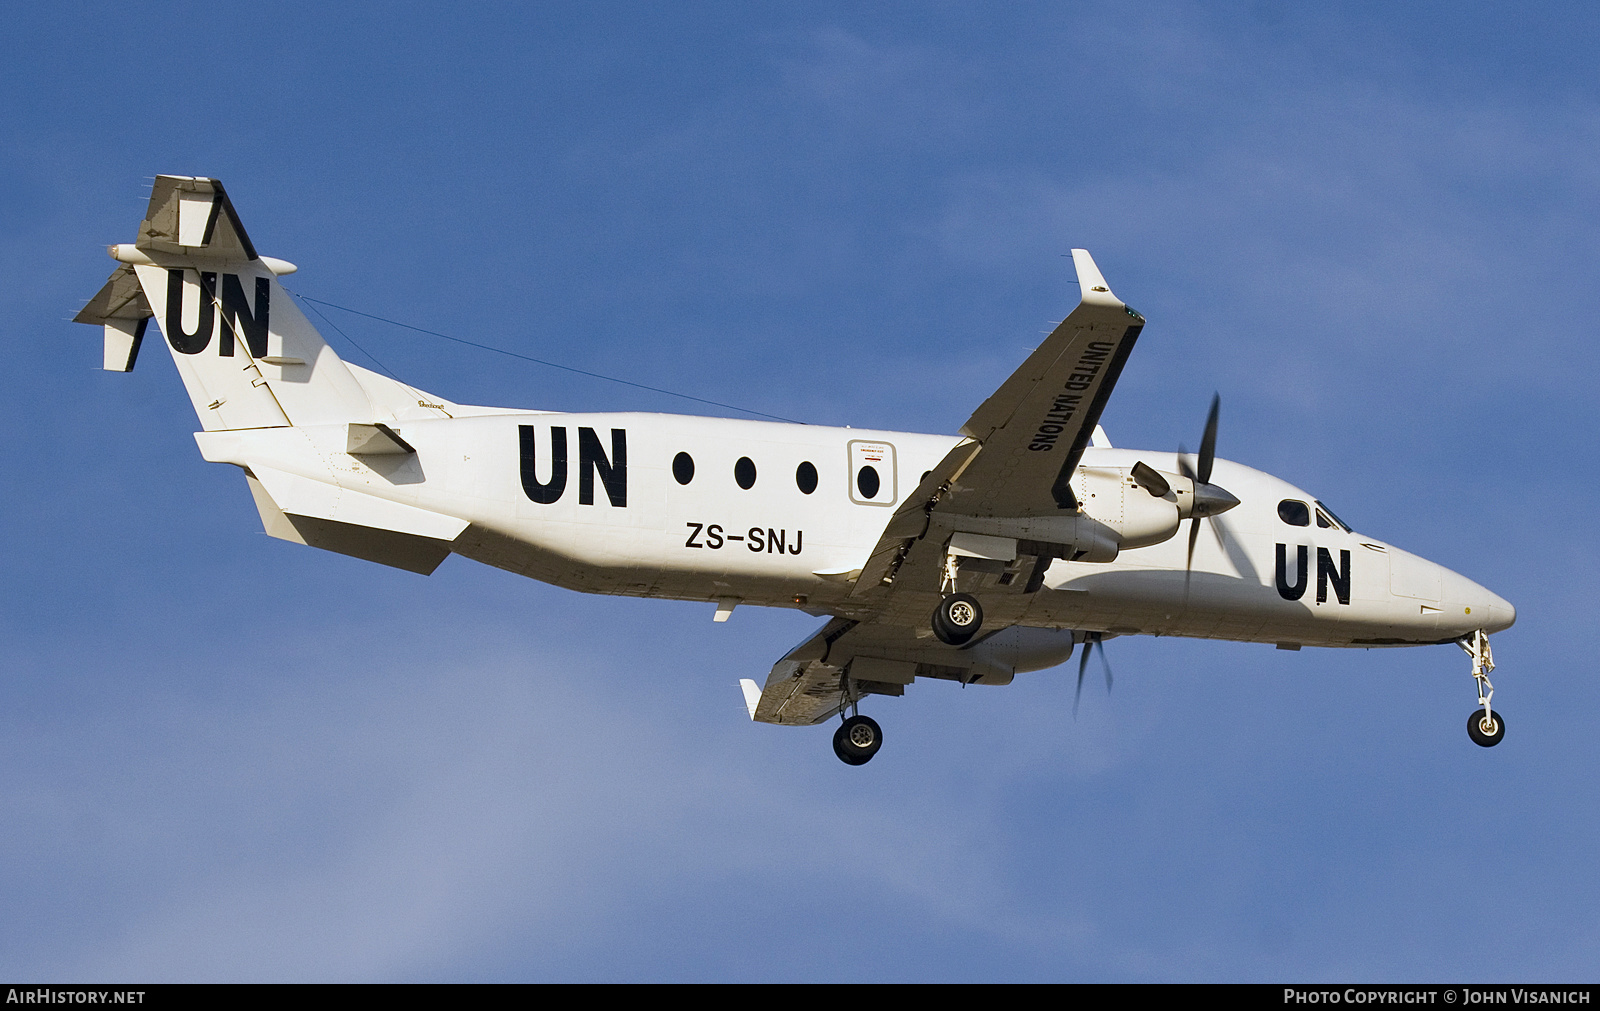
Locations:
(1501, 614)
(1477, 607)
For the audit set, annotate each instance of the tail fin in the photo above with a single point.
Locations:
(248, 356)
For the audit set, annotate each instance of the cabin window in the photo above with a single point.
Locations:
(868, 482)
(683, 468)
(805, 478)
(1294, 512)
(744, 472)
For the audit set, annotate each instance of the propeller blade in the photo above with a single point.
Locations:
(1208, 442)
(1090, 641)
(1083, 664)
(1201, 475)
(1184, 467)
(1188, 565)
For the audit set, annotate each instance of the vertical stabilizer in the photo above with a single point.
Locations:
(247, 354)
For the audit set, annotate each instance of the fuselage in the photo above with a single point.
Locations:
(772, 514)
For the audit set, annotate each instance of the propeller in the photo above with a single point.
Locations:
(1209, 500)
(1090, 640)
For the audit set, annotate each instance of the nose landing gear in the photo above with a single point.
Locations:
(1487, 728)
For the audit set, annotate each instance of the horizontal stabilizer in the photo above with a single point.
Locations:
(194, 218)
(120, 298)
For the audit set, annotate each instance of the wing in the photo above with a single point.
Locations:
(1024, 442)
(1034, 429)
(845, 660)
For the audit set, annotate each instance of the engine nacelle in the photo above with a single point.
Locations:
(1120, 508)
(1138, 517)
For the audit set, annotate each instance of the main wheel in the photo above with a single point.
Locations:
(957, 619)
(1486, 733)
(857, 740)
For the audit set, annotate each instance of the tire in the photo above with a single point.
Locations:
(857, 740)
(1482, 738)
(957, 619)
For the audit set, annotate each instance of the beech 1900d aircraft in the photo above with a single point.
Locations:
(967, 558)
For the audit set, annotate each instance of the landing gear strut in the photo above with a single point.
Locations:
(1486, 728)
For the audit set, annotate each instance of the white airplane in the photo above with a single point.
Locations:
(968, 558)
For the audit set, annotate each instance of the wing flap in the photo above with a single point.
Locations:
(910, 521)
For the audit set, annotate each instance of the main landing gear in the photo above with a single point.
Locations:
(957, 619)
(1486, 728)
(857, 740)
(959, 616)
(858, 737)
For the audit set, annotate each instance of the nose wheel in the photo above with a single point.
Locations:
(1486, 727)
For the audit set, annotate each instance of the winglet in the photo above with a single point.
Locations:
(1093, 283)
(752, 695)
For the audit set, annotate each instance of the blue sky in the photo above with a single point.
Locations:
(1372, 231)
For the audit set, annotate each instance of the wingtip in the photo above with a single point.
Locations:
(1091, 281)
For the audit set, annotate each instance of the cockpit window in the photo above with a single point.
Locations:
(1294, 512)
(1326, 518)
